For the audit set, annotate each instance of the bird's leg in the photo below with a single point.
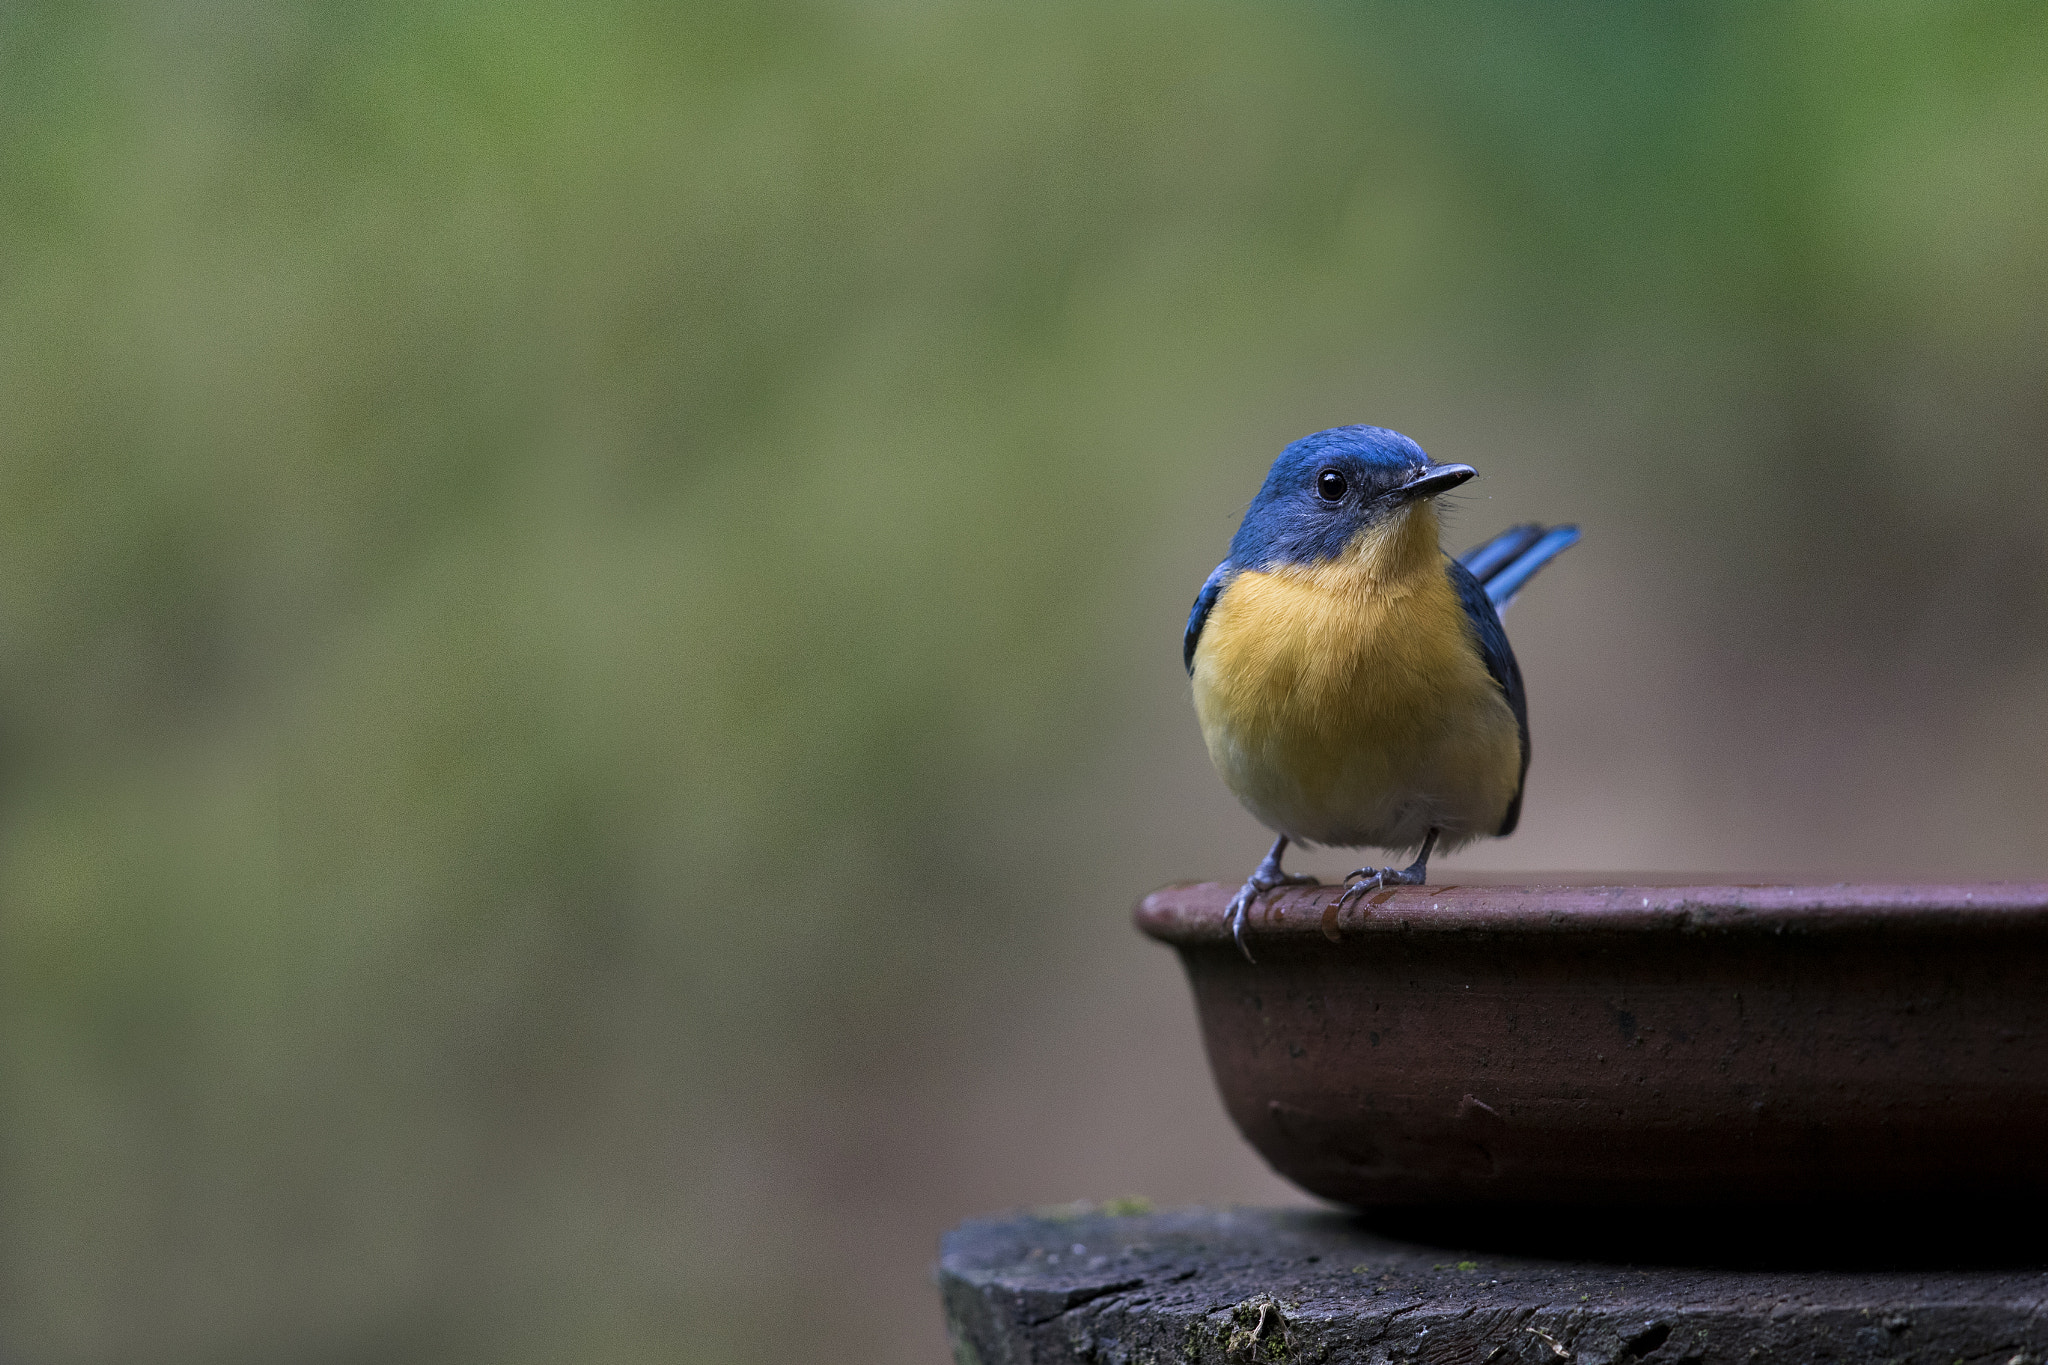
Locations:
(1374, 878)
(1264, 878)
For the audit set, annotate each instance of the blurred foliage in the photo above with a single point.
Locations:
(546, 543)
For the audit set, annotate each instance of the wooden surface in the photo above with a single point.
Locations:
(1202, 1287)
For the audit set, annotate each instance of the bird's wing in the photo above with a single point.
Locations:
(1199, 616)
(1500, 662)
(1507, 579)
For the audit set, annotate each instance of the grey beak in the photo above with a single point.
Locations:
(1438, 478)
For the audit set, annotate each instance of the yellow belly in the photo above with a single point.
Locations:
(1344, 708)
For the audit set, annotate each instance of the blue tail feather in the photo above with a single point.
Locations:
(1484, 561)
(1508, 579)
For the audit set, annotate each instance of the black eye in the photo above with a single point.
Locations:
(1330, 486)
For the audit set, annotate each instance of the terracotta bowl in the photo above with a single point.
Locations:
(1630, 1044)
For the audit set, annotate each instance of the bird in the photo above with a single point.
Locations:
(1353, 682)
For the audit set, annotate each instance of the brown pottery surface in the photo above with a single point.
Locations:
(1630, 1044)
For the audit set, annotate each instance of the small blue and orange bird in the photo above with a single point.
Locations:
(1353, 682)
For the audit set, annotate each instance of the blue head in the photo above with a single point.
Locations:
(1326, 488)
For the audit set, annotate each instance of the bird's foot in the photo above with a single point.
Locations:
(1259, 883)
(1369, 879)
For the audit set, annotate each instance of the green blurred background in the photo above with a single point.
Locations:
(590, 599)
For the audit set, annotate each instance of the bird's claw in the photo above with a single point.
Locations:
(1358, 886)
(1241, 904)
(1369, 879)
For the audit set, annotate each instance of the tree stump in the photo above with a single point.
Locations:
(1195, 1286)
